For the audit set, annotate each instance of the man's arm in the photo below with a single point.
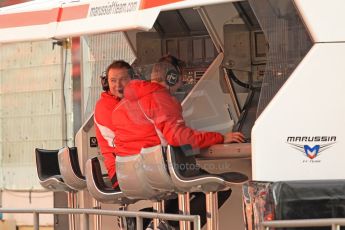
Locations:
(166, 112)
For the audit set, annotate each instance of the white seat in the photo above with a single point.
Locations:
(70, 168)
(189, 177)
(98, 189)
(132, 180)
(48, 171)
(156, 169)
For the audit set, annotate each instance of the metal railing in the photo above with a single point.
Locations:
(335, 223)
(86, 212)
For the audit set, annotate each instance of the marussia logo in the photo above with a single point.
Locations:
(309, 151)
(310, 146)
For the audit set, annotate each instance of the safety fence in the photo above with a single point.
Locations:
(86, 212)
(335, 223)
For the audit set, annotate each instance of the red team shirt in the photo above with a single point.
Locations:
(105, 131)
(148, 116)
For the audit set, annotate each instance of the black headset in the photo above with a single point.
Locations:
(115, 64)
(172, 77)
(104, 81)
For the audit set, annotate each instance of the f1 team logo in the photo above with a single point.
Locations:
(311, 151)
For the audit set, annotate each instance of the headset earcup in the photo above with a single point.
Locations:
(105, 83)
(172, 77)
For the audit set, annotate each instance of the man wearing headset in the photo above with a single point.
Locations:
(149, 115)
(149, 107)
(117, 75)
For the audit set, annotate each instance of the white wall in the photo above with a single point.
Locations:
(32, 109)
(32, 115)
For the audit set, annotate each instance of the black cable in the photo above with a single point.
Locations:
(63, 90)
(232, 75)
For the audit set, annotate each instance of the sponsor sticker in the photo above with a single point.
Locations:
(311, 146)
(103, 8)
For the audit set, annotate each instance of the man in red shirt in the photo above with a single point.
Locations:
(117, 75)
(149, 115)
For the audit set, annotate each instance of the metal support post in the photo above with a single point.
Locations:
(184, 207)
(71, 203)
(212, 210)
(36, 221)
(97, 221)
(85, 221)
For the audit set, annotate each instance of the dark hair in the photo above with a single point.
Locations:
(117, 64)
(177, 63)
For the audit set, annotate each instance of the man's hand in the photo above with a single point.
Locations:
(234, 137)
